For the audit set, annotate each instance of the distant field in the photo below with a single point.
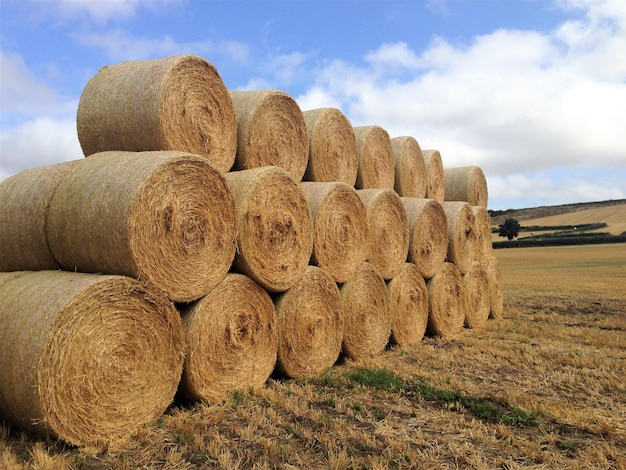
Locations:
(613, 216)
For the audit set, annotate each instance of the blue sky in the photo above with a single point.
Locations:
(532, 91)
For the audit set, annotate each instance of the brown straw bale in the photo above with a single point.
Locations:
(435, 179)
(428, 234)
(366, 312)
(172, 103)
(271, 132)
(167, 218)
(408, 298)
(24, 205)
(388, 241)
(445, 314)
(461, 234)
(333, 154)
(466, 183)
(475, 296)
(482, 224)
(87, 358)
(340, 228)
(232, 340)
(275, 237)
(494, 278)
(310, 325)
(376, 168)
(410, 179)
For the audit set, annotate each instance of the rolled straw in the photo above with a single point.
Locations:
(428, 234)
(376, 167)
(388, 241)
(86, 358)
(167, 218)
(475, 295)
(435, 179)
(482, 225)
(271, 132)
(410, 179)
(24, 204)
(467, 183)
(173, 103)
(333, 154)
(494, 279)
(275, 237)
(445, 314)
(340, 228)
(366, 312)
(409, 306)
(232, 340)
(310, 325)
(461, 234)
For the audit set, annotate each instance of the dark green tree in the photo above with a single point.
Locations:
(509, 229)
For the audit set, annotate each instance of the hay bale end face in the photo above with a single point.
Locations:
(475, 296)
(461, 234)
(467, 183)
(408, 298)
(376, 168)
(445, 314)
(494, 280)
(410, 179)
(482, 225)
(435, 179)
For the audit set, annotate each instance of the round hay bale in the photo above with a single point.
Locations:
(494, 279)
(467, 183)
(410, 179)
(376, 168)
(173, 103)
(340, 228)
(275, 237)
(232, 340)
(310, 325)
(333, 154)
(435, 179)
(24, 205)
(366, 312)
(461, 234)
(428, 234)
(388, 240)
(271, 132)
(445, 314)
(167, 218)
(475, 294)
(482, 225)
(409, 306)
(86, 358)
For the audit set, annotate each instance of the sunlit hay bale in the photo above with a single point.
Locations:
(341, 229)
(410, 170)
(310, 325)
(445, 315)
(409, 306)
(271, 132)
(494, 279)
(9, 276)
(86, 358)
(461, 234)
(482, 225)
(24, 205)
(428, 234)
(467, 183)
(275, 237)
(333, 154)
(435, 180)
(167, 218)
(232, 340)
(388, 241)
(172, 103)
(366, 312)
(475, 296)
(376, 168)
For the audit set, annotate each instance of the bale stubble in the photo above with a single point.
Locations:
(408, 297)
(376, 168)
(435, 179)
(466, 183)
(445, 314)
(410, 170)
(461, 234)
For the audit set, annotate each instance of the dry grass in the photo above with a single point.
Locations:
(540, 388)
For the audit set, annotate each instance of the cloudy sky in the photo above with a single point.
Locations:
(532, 91)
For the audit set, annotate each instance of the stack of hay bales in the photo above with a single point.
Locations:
(283, 238)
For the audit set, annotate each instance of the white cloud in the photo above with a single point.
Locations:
(101, 11)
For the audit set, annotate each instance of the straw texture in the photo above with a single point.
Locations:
(482, 225)
(376, 168)
(435, 179)
(408, 298)
(333, 154)
(86, 358)
(340, 228)
(173, 103)
(388, 242)
(476, 296)
(310, 325)
(467, 183)
(271, 131)
(445, 314)
(275, 237)
(410, 179)
(232, 340)
(494, 278)
(367, 313)
(461, 234)
(167, 218)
